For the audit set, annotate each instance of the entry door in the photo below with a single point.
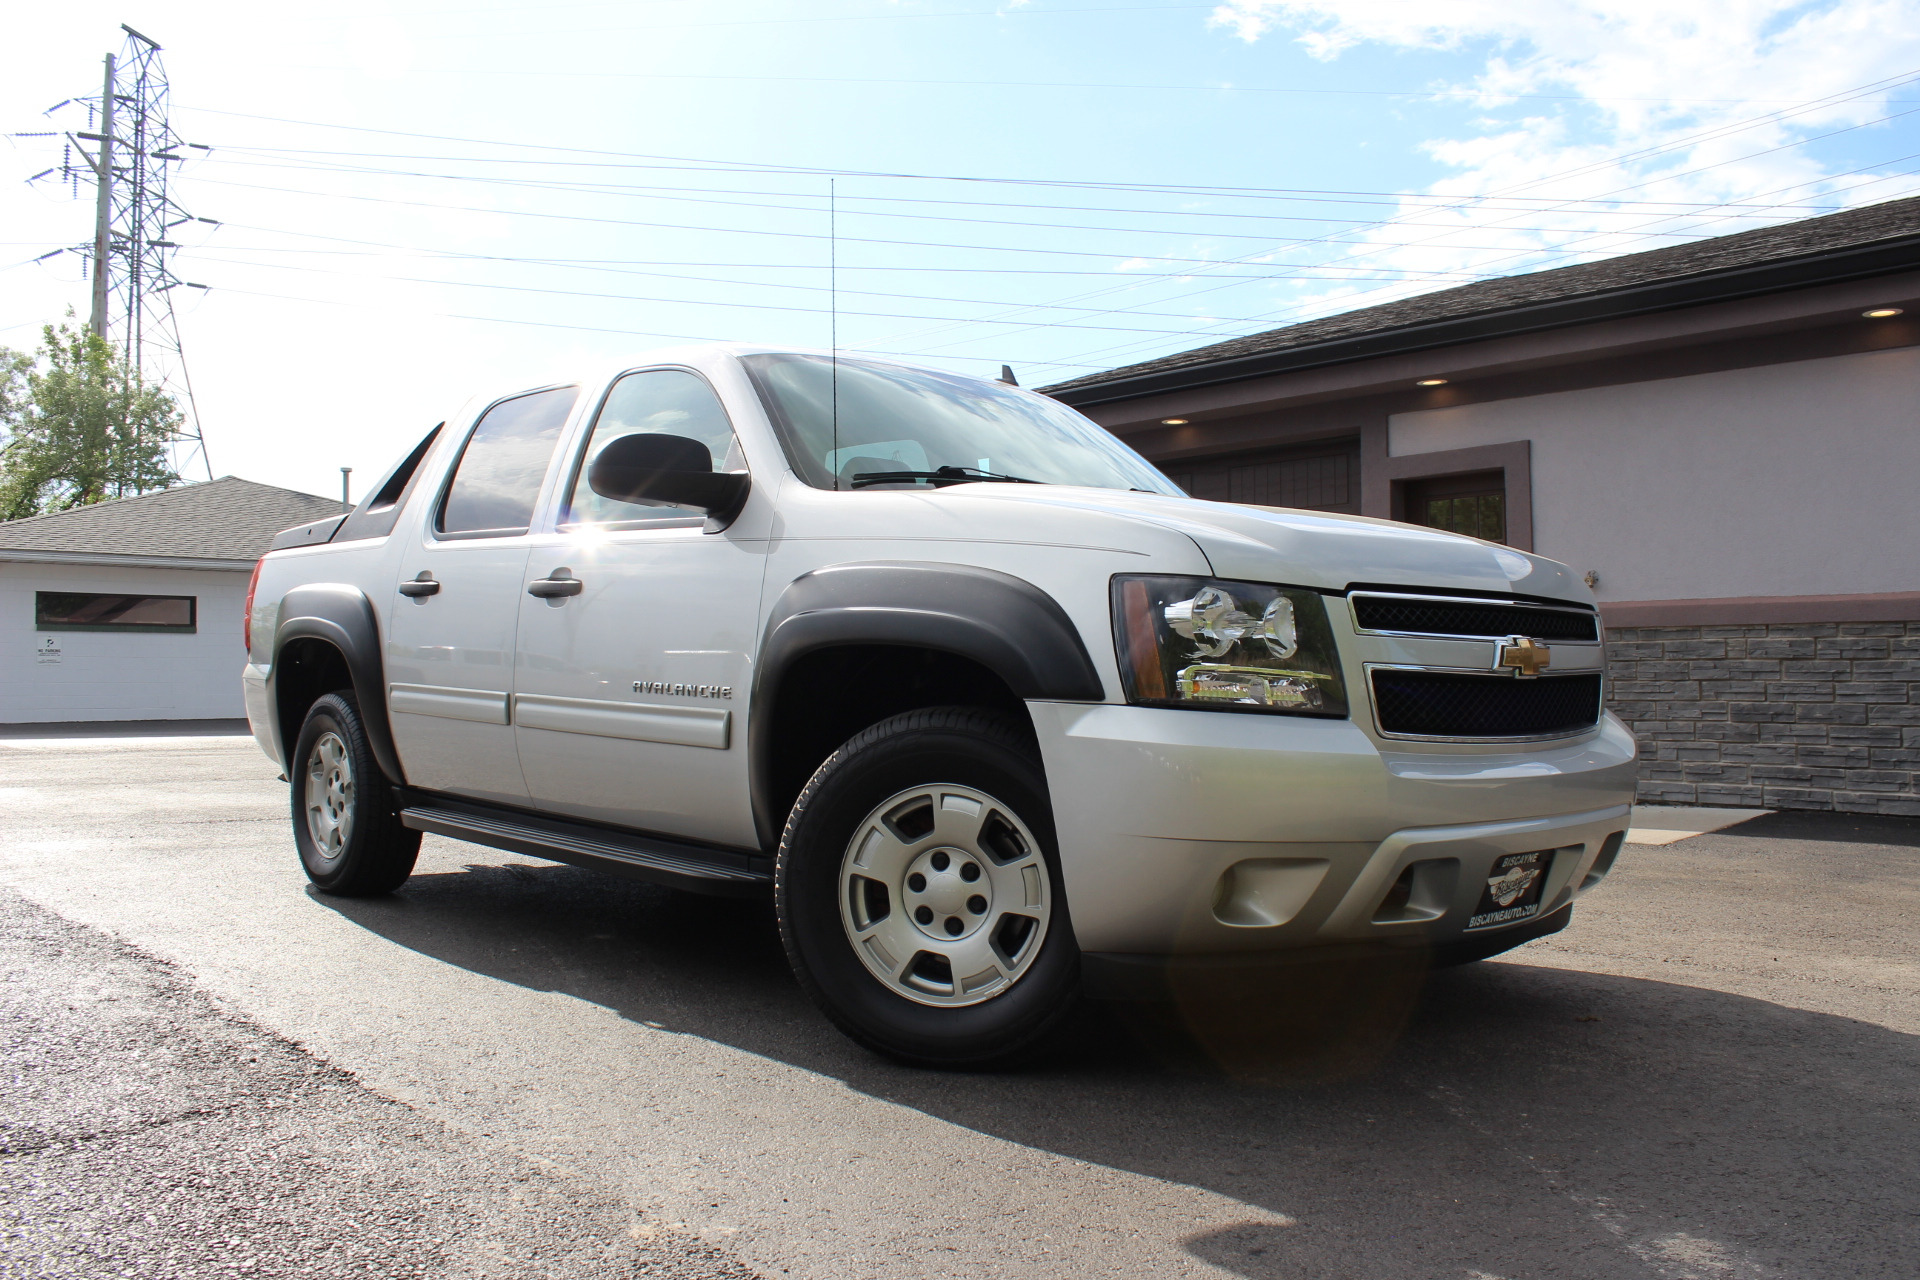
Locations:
(631, 696)
(450, 646)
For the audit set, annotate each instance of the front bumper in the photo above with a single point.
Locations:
(1193, 833)
(1122, 976)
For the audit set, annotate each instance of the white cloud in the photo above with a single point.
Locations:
(1671, 120)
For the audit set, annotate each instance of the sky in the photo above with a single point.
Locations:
(415, 202)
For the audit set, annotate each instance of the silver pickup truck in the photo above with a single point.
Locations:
(995, 713)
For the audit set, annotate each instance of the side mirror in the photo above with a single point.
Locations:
(662, 468)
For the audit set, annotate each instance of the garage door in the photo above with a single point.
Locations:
(1324, 477)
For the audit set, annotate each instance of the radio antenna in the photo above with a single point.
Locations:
(833, 322)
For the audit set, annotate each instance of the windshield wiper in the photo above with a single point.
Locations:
(939, 478)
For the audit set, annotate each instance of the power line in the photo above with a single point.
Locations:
(1642, 155)
(658, 193)
(971, 320)
(609, 267)
(576, 328)
(1625, 208)
(1509, 200)
(752, 231)
(1464, 96)
(696, 302)
(696, 164)
(872, 17)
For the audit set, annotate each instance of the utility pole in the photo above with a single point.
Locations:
(103, 208)
(134, 217)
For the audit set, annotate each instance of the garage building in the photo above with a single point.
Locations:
(131, 609)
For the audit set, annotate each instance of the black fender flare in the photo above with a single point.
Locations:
(1004, 623)
(339, 614)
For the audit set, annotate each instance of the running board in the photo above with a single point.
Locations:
(679, 865)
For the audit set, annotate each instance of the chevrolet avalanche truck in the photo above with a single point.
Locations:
(994, 712)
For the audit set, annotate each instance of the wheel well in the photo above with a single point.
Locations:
(305, 671)
(829, 695)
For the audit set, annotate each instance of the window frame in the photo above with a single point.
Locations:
(1384, 478)
(192, 626)
(563, 498)
(375, 518)
(438, 511)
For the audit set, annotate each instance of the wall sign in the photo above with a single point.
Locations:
(46, 651)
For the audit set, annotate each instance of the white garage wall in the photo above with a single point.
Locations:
(1786, 480)
(121, 675)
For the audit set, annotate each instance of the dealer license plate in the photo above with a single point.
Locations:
(1512, 894)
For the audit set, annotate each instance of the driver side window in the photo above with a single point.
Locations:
(664, 401)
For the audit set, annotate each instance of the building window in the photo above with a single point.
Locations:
(1475, 504)
(88, 611)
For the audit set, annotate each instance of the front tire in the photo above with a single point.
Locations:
(918, 890)
(346, 818)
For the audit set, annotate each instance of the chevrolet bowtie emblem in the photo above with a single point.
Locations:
(1525, 655)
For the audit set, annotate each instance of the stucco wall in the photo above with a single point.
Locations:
(1784, 480)
(121, 675)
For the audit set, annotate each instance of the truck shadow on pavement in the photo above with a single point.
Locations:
(1501, 1120)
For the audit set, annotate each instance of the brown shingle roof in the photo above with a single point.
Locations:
(224, 519)
(1893, 220)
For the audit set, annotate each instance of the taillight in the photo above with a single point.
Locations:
(246, 624)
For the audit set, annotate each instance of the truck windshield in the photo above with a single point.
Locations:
(897, 428)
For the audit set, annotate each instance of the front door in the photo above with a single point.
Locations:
(631, 695)
(450, 643)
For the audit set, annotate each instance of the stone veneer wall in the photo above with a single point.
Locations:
(1780, 716)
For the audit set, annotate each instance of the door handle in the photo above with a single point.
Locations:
(560, 585)
(424, 585)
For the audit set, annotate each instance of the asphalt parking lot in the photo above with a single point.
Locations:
(518, 1068)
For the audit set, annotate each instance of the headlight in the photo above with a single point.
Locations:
(1235, 646)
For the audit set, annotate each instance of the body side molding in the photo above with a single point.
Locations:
(1004, 623)
(340, 615)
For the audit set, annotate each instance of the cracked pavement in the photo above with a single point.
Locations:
(146, 1132)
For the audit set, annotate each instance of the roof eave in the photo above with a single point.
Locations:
(1731, 284)
(114, 560)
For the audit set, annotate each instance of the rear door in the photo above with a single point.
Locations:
(450, 649)
(630, 703)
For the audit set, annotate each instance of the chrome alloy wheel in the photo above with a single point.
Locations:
(329, 795)
(945, 895)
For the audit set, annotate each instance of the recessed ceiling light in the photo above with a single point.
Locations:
(1881, 313)
(1173, 422)
(1431, 382)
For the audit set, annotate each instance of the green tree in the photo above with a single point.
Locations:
(80, 426)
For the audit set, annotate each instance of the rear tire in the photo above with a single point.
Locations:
(346, 818)
(919, 892)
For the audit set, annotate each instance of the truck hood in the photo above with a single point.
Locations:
(1314, 549)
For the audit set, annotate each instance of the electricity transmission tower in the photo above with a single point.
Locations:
(128, 263)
